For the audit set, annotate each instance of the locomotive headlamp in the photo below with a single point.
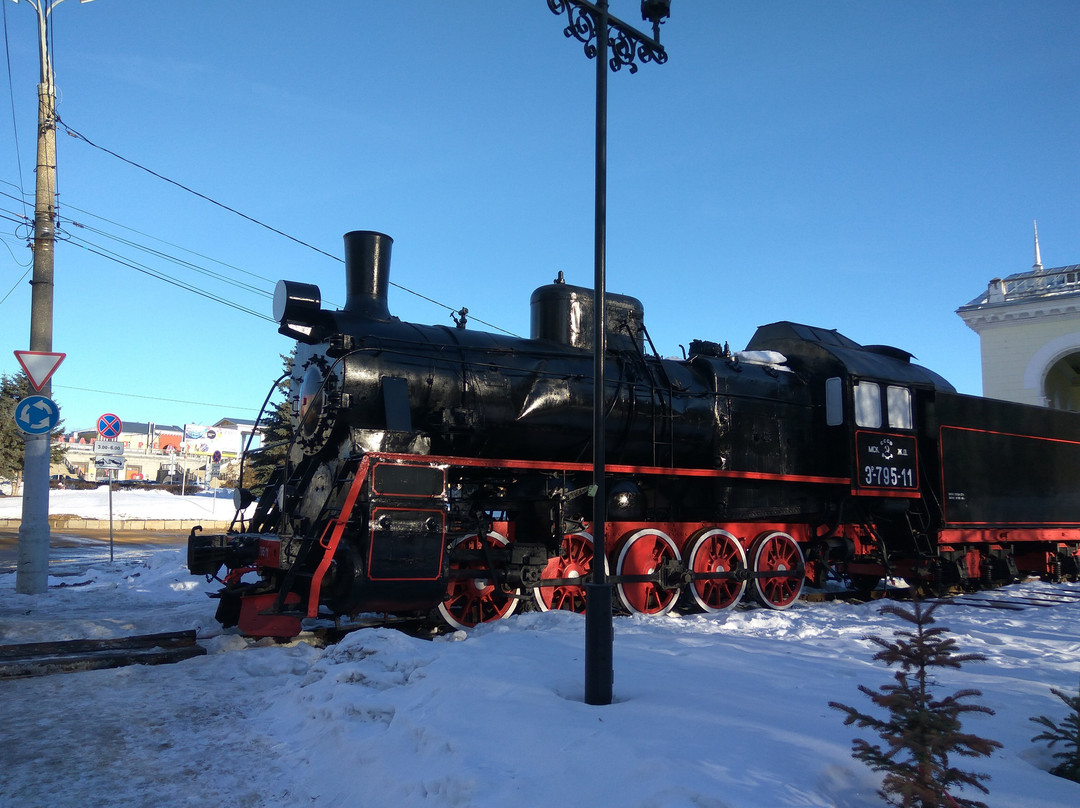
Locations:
(241, 498)
(296, 308)
(296, 302)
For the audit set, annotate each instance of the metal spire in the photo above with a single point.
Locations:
(1038, 259)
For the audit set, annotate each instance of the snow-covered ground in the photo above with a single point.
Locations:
(721, 711)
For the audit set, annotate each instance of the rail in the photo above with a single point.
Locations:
(67, 656)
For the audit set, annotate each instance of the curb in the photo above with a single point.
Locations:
(76, 523)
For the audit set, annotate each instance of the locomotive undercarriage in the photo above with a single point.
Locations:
(495, 564)
(962, 560)
(467, 542)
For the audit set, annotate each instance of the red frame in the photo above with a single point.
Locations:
(971, 541)
(1035, 532)
(549, 465)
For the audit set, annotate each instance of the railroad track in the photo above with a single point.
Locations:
(44, 658)
(1015, 603)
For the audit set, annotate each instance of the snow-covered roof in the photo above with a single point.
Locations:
(1034, 283)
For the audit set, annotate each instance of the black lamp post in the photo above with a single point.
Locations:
(613, 44)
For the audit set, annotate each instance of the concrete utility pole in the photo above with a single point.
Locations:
(33, 569)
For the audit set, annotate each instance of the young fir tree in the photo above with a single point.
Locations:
(277, 435)
(921, 733)
(1068, 732)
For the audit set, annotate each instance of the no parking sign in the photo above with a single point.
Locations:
(109, 426)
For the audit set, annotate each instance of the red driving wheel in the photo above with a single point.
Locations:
(710, 551)
(575, 563)
(642, 553)
(471, 601)
(777, 552)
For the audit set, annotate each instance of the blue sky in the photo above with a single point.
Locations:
(864, 166)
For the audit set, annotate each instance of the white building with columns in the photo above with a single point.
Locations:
(1029, 335)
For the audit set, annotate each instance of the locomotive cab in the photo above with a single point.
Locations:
(871, 396)
(879, 417)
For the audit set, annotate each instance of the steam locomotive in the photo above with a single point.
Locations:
(443, 472)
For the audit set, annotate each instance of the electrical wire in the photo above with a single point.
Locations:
(174, 260)
(16, 286)
(105, 253)
(82, 137)
(12, 216)
(152, 398)
(79, 136)
(242, 271)
(100, 250)
(11, 94)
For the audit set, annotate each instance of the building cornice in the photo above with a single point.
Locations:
(995, 313)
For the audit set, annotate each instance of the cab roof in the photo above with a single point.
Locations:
(827, 352)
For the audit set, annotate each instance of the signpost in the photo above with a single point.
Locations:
(36, 416)
(109, 455)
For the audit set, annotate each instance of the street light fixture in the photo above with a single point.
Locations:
(592, 25)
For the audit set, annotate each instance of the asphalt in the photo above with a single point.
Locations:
(70, 550)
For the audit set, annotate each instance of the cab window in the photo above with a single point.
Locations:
(868, 405)
(834, 401)
(899, 400)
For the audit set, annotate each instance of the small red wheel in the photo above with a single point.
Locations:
(715, 550)
(576, 563)
(777, 552)
(471, 601)
(642, 553)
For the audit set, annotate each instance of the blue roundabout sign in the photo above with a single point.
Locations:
(37, 415)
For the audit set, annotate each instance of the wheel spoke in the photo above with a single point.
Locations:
(711, 551)
(777, 552)
(471, 601)
(576, 563)
(643, 553)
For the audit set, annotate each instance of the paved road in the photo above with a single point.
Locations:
(70, 552)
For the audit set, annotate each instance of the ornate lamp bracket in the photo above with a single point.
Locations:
(627, 44)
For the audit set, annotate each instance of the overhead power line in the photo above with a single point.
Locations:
(16, 286)
(79, 136)
(270, 281)
(172, 259)
(11, 95)
(156, 398)
(104, 253)
(192, 191)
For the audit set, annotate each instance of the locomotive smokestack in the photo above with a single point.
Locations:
(367, 273)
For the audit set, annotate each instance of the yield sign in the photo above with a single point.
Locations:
(39, 366)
